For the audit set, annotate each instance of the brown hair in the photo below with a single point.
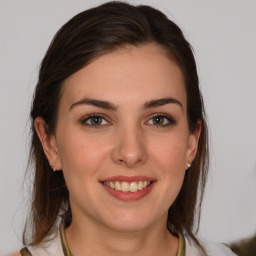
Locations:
(86, 36)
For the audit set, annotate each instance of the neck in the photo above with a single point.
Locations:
(90, 239)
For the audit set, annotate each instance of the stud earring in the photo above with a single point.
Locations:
(53, 167)
(188, 165)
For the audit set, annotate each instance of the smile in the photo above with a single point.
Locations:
(128, 188)
(124, 186)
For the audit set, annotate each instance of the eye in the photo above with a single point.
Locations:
(161, 120)
(94, 120)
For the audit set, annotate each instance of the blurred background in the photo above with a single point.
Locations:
(223, 35)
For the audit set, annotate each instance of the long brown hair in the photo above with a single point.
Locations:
(86, 36)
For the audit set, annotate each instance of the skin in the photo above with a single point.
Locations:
(129, 142)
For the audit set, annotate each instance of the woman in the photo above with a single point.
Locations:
(119, 139)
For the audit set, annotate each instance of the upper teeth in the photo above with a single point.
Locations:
(126, 186)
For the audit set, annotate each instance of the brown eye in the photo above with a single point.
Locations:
(158, 120)
(94, 121)
(161, 120)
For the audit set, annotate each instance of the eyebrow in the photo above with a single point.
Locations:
(110, 106)
(161, 102)
(96, 103)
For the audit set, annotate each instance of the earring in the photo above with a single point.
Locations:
(53, 167)
(188, 165)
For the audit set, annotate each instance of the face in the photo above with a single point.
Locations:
(122, 138)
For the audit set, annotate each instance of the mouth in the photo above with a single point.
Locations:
(128, 188)
(125, 186)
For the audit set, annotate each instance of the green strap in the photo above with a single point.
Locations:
(66, 251)
(25, 252)
(181, 248)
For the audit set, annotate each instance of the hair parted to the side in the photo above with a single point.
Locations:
(81, 40)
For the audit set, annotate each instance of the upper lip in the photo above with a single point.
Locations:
(128, 178)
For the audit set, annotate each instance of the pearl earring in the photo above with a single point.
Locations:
(188, 165)
(53, 167)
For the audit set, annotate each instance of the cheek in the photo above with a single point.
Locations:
(170, 154)
(81, 154)
(167, 158)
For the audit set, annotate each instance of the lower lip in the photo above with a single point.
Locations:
(129, 196)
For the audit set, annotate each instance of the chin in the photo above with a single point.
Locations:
(130, 222)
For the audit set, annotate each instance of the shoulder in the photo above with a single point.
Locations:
(51, 247)
(14, 254)
(211, 248)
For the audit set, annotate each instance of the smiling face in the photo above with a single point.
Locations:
(122, 138)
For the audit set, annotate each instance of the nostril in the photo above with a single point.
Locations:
(120, 160)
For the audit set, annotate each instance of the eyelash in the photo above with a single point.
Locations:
(90, 117)
(169, 119)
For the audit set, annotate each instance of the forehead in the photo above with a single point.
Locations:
(136, 73)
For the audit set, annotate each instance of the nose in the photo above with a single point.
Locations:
(130, 148)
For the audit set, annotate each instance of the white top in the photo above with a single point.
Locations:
(212, 248)
(51, 248)
(54, 248)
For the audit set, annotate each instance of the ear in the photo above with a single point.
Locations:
(48, 142)
(193, 144)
